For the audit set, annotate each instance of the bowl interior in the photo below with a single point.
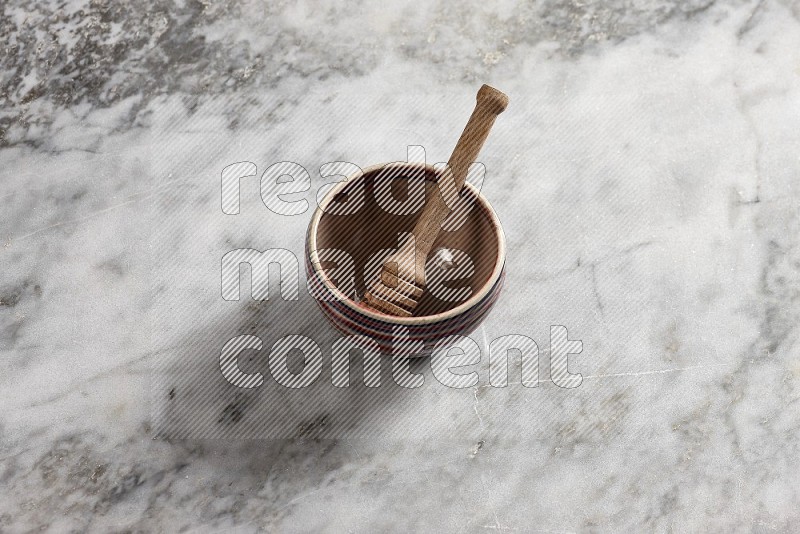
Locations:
(372, 228)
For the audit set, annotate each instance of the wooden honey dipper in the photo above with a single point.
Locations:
(402, 278)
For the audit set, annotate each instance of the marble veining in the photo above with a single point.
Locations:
(646, 175)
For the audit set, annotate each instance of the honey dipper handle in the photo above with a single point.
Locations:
(490, 103)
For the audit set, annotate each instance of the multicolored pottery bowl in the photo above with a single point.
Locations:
(362, 219)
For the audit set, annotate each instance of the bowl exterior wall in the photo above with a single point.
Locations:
(351, 322)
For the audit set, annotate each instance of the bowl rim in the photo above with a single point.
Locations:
(465, 306)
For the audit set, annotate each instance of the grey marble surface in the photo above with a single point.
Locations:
(647, 176)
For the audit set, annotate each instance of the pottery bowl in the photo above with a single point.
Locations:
(362, 219)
